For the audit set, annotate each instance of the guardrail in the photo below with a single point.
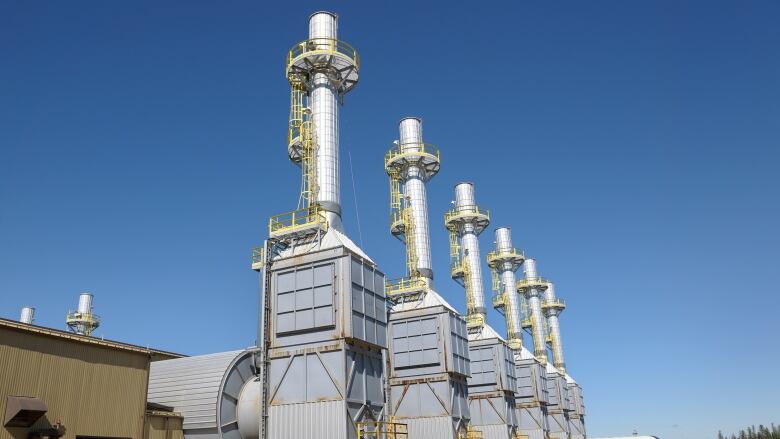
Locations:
(295, 220)
(466, 211)
(412, 149)
(325, 46)
(81, 317)
(382, 430)
(394, 287)
(532, 282)
(258, 258)
(554, 304)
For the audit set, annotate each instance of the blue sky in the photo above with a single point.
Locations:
(633, 147)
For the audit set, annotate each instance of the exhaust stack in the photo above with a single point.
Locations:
(465, 222)
(552, 308)
(410, 165)
(532, 287)
(83, 321)
(28, 315)
(503, 262)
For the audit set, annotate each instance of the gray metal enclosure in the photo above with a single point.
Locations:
(492, 388)
(429, 365)
(324, 296)
(531, 397)
(557, 409)
(577, 415)
(327, 331)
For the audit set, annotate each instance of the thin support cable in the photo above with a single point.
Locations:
(354, 198)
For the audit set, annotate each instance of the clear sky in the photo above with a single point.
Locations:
(633, 147)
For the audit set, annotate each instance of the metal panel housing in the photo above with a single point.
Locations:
(429, 365)
(323, 296)
(324, 391)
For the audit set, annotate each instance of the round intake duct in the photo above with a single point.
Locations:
(218, 394)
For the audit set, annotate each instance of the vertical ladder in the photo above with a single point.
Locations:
(265, 343)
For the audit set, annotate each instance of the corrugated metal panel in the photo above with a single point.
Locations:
(163, 426)
(94, 390)
(532, 422)
(321, 420)
(498, 431)
(191, 386)
(532, 434)
(440, 427)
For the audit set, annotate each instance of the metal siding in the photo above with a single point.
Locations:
(496, 431)
(160, 426)
(323, 420)
(532, 422)
(93, 390)
(191, 386)
(440, 427)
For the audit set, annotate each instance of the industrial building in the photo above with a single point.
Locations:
(341, 352)
(63, 385)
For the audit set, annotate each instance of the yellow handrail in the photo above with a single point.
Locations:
(258, 256)
(465, 211)
(382, 430)
(295, 219)
(418, 150)
(470, 433)
(324, 46)
(404, 284)
(532, 282)
(555, 303)
(499, 254)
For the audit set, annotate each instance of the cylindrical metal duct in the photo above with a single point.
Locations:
(28, 315)
(323, 99)
(504, 239)
(472, 257)
(85, 303)
(535, 306)
(411, 133)
(323, 24)
(514, 330)
(529, 268)
(464, 200)
(555, 329)
(464, 195)
(415, 192)
(537, 326)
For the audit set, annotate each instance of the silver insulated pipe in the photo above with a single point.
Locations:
(506, 270)
(85, 303)
(411, 140)
(324, 101)
(554, 327)
(28, 315)
(533, 298)
(464, 201)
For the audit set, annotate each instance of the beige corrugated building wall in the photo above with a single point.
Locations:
(94, 388)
